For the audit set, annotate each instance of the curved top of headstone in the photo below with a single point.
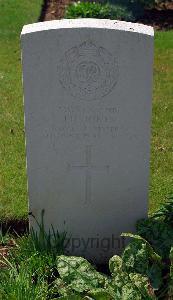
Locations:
(88, 23)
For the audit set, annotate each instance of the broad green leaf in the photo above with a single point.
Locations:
(123, 286)
(143, 285)
(100, 294)
(139, 257)
(127, 286)
(115, 265)
(79, 274)
(71, 297)
(152, 253)
(158, 233)
(61, 287)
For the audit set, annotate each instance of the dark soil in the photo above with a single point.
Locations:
(53, 9)
(15, 228)
(160, 18)
(18, 227)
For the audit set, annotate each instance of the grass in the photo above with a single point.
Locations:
(26, 272)
(161, 181)
(13, 186)
(30, 266)
(13, 197)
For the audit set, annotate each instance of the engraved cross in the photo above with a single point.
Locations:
(88, 167)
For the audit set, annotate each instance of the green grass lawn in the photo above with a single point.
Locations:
(13, 15)
(161, 181)
(13, 194)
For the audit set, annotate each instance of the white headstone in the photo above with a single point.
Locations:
(87, 93)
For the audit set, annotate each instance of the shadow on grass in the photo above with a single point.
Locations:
(43, 10)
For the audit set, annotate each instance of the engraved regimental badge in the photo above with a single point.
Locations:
(87, 71)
